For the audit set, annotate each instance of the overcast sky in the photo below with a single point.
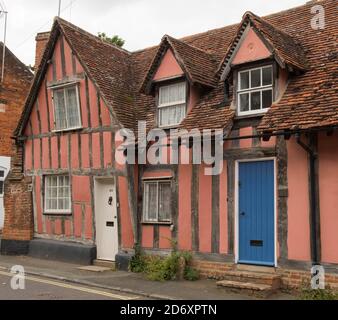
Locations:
(141, 23)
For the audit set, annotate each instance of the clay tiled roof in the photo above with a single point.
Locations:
(310, 99)
(190, 60)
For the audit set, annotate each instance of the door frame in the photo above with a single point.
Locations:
(236, 222)
(97, 179)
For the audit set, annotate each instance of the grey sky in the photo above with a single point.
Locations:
(141, 23)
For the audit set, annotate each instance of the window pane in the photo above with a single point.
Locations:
(53, 204)
(244, 102)
(267, 99)
(244, 80)
(165, 201)
(66, 204)
(60, 111)
(172, 115)
(255, 100)
(57, 193)
(151, 201)
(72, 108)
(256, 78)
(2, 174)
(54, 181)
(267, 76)
(175, 93)
(60, 204)
(1, 187)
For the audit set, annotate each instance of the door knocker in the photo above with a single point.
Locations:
(110, 201)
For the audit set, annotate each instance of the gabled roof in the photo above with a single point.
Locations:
(107, 66)
(285, 49)
(198, 66)
(310, 99)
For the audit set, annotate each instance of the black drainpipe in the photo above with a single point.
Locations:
(313, 201)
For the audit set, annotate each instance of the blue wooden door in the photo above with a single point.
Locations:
(257, 213)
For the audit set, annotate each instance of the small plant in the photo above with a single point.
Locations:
(138, 261)
(176, 265)
(191, 274)
(307, 293)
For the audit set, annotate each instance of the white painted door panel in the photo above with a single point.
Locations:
(106, 219)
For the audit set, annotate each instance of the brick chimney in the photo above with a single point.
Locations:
(41, 41)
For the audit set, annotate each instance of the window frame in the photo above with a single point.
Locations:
(2, 180)
(57, 211)
(64, 87)
(250, 90)
(145, 213)
(172, 104)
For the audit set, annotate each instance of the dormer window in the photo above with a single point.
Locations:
(172, 104)
(255, 90)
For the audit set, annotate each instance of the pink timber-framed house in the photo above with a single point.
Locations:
(269, 83)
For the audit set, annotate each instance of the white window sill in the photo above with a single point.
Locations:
(67, 130)
(252, 113)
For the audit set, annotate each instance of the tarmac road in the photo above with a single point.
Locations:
(37, 288)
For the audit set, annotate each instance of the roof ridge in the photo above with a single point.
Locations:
(73, 26)
(191, 46)
(268, 16)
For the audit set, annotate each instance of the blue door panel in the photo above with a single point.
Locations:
(256, 213)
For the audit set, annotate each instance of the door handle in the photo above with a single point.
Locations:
(243, 214)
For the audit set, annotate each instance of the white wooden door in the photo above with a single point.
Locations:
(106, 219)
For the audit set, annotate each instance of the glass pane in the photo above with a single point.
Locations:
(54, 192)
(53, 204)
(244, 80)
(48, 204)
(60, 181)
(165, 201)
(66, 203)
(255, 100)
(67, 181)
(256, 78)
(60, 111)
(60, 204)
(48, 192)
(267, 99)
(2, 174)
(1, 187)
(267, 76)
(175, 93)
(244, 102)
(151, 208)
(72, 108)
(172, 115)
(54, 181)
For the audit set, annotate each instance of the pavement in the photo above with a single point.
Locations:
(117, 283)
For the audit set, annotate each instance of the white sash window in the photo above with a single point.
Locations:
(57, 194)
(255, 90)
(172, 104)
(66, 108)
(157, 201)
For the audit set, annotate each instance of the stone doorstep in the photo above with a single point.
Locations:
(272, 280)
(254, 289)
(105, 264)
